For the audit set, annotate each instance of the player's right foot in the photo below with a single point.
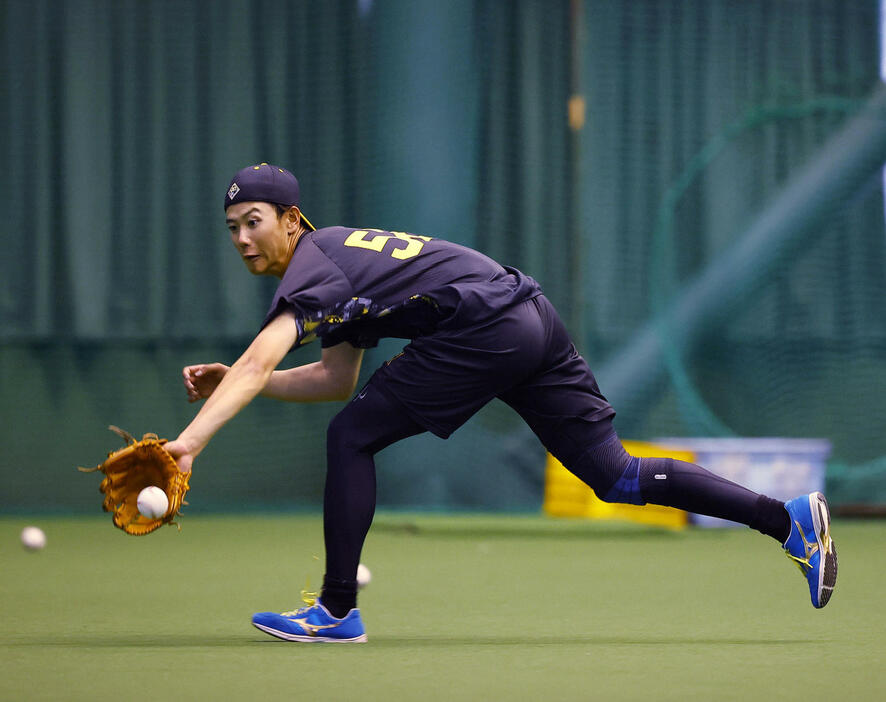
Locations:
(810, 545)
(312, 624)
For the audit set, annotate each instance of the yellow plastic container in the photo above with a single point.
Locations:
(567, 496)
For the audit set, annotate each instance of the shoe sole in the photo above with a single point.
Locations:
(286, 636)
(827, 571)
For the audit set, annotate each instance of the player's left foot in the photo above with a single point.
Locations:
(810, 545)
(312, 624)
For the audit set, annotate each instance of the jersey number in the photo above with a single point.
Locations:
(375, 240)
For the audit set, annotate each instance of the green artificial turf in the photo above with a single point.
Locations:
(460, 608)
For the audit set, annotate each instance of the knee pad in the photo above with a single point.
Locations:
(644, 480)
(618, 477)
(607, 469)
(626, 489)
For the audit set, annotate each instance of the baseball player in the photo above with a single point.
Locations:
(476, 330)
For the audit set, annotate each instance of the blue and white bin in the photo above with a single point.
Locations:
(779, 468)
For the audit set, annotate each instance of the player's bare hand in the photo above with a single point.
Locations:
(182, 455)
(202, 380)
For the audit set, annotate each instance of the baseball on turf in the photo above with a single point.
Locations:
(363, 576)
(33, 538)
(152, 502)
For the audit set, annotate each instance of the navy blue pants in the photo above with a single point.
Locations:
(524, 357)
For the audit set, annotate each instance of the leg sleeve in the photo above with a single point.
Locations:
(369, 423)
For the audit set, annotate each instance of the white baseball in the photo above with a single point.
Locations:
(363, 576)
(33, 538)
(152, 502)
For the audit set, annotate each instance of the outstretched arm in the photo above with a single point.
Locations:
(333, 377)
(240, 385)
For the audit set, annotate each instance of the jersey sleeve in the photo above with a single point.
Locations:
(314, 287)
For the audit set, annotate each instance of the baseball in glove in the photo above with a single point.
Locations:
(130, 470)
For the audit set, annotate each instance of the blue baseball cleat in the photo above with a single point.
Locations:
(810, 545)
(312, 624)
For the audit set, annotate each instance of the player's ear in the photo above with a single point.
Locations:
(293, 217)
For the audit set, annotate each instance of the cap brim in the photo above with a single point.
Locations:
(307, 222)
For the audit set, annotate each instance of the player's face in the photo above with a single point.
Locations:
(261, 237)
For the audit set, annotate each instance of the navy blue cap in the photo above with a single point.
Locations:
(264, 183)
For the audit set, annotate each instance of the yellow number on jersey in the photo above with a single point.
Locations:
(375, 240)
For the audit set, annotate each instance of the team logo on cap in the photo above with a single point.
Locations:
(233, 191)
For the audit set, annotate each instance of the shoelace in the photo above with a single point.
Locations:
(310, 600)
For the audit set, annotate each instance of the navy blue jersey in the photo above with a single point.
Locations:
(361, 285)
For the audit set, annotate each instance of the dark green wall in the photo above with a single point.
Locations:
(123, 121)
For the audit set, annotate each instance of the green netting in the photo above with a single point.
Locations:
(709, 111)
(124, 119)
(803, 344)
(803, 267)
